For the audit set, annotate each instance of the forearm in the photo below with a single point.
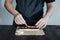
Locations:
(50, 9)
(10, 8)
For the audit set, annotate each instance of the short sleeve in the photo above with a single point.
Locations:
(48, 1)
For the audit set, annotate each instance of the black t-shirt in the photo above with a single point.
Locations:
(31, 10)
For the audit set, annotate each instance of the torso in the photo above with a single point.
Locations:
(32, 10)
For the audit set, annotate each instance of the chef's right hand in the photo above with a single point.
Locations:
(19, 19)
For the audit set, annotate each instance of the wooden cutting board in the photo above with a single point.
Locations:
(29, 32)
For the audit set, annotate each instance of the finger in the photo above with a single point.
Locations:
(22, 18)
(26, 25)
(17, 22)
(18, 19)
(39, 24)
(44, 26)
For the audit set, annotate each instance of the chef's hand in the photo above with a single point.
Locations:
(42, 23)
(19, 19)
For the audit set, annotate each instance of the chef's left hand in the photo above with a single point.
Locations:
(42, 23)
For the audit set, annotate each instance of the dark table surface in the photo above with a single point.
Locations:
(7, 32)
